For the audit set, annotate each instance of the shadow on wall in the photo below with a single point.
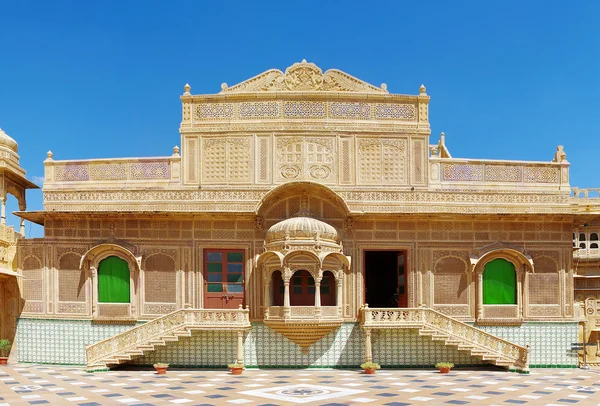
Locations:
(11, 305)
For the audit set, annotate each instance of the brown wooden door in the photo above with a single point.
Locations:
(223, 279)
(302, 289)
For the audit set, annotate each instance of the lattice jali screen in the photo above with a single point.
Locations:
(543, 284)
(382, 161)
(117, 310)
(404, 112)
(500, 311)
(71, 279)
(541, 174)
(33, 286)
(160, 279)
(543, 288)
(462, 172)
(108, 171)
(304, 109)
(450, 281)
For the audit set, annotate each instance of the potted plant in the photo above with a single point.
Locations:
(161, 368)
(370, 367)
(4, 351)
(444, 367)
(236, 369)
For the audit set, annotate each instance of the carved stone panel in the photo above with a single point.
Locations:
(226, 160)
(305, 158)
(382, 161)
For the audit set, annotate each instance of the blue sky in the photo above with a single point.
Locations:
(507, 79)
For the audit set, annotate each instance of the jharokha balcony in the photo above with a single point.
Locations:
(303, 268)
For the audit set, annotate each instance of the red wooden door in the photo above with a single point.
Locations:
(223, 279)
(302, 289)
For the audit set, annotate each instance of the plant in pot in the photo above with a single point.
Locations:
(370, 367)
(444, 367)
(4, 351)
(161, 368)
(236, 369)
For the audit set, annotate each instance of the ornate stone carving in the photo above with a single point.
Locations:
(304, 76)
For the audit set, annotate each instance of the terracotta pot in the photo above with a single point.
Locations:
(161, 370)
(370, 371)
(236, 371)
(3, 360)
(444, 370)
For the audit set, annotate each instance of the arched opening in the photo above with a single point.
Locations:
(581, 236)
(582, 245)
(277, 284)
(302, 291)
(499, 283)
(328, 289)
(594, 237)
(113, 280)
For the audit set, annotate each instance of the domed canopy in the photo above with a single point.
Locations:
(302, 228)
(6, 141)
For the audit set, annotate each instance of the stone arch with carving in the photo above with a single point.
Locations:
(523, 264)
(96, 254)
(90, 261)
(299, 188)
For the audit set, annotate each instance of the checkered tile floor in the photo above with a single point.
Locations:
(40, 384)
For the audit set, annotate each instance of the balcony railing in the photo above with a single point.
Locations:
(455, 172)
(302, 313)
(104, 172)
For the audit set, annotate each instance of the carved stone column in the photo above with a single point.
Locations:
(318, 298)
(240, 348)
(3, 216)
(479, 295)
(368, 349)
(286, 292)
(22, 207)
(94, 296)
(267, 295)
(338, 296)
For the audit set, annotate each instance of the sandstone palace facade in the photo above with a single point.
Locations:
(306, 220)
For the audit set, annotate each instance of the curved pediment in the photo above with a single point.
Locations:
(301, 77)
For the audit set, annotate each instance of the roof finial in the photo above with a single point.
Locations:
(49, 154)
(423, 90)
(187, 89)
(304, 209)
(175, 150)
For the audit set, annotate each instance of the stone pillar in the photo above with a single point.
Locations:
(338, 297)
(22, 227)
(94, 296)
(267, 296)
(3, 218)
(317, 298)
(479, 295)
(240, 348)
(368, 349)
(286, 299)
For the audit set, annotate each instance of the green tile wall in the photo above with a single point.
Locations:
(64, 341)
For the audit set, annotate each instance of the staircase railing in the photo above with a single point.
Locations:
(428, 318)
(226, 319)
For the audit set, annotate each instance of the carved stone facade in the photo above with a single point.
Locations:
(304, 171)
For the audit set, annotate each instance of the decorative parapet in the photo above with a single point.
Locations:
(455, 173)
(146, 171)
(183, 319)
(302, 93)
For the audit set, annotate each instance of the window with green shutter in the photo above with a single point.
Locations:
(499, 283)
(113, 280)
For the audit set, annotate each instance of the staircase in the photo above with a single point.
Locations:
(440, 327)
(160, 331)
